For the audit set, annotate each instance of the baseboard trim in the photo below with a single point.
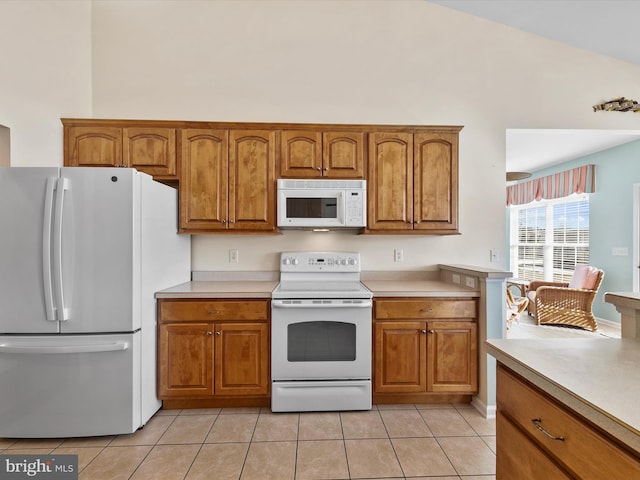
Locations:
(487, 411)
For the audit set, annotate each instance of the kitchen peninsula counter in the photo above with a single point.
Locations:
(596, 378)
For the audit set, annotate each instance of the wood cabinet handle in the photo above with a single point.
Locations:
(432, 331)
(224, 221)
(426, 310)
(423, 331)
(319, 169)
(209, 333)
(537, 423)
(213, 312)
(230, 221)
(417, 221)
(218, 333)
(326, 169)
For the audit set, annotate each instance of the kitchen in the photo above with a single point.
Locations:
(92, 71)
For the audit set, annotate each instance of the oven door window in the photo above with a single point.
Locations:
(325, 207)
(321, 341)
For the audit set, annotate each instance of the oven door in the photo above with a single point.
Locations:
(321, 339)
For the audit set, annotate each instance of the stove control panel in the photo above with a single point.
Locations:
(320, 262)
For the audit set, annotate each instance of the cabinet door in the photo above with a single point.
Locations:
(343, 154)
(435, 181)
(390, 181)
(93, 147)
(399, 357)
(252, 180)
(452, 357)
(241, 358)
(150, 150)
(519, 458)
(185, 360)
(204, 179)
(300, 154)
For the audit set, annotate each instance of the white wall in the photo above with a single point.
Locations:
(45, 74)
(395, 62)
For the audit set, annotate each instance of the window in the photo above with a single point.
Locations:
(549, 238)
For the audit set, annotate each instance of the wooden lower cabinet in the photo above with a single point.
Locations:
(538, 437)
(421, 359)
(204, 362)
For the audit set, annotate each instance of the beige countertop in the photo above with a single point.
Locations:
(220, 289)
(598, 378)
(418, 288)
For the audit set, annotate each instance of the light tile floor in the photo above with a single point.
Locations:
(438, 442)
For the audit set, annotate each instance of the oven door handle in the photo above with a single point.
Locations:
(315, 304)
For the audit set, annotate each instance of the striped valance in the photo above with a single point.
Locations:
(562, 184)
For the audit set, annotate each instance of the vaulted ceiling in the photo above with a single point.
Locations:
(605, 27)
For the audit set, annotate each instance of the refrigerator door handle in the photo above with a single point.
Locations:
(65, 349)
(46, 250)
(62, 313)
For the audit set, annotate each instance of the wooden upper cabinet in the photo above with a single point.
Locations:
(228, 180)
(343, 154)
(435, 181)
(151, 150)
(300, 154)
(413, 182)
(315, 154)
(252, 180)
(204, 179)
(93, 146)
(390, 181)
(107, 143)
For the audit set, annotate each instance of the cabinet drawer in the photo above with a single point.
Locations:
(214, 310)
(432, 308)
(583, 451)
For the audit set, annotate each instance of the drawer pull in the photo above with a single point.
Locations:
(432, 331)
(536, 423)
(218, 333)
(213, 312)
(426, 310)
(209, 333)
(423, 331)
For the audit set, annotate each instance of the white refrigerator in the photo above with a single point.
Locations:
(82, 252)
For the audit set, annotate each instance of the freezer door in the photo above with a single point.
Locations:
(23, 201)
(101, 237)
(71, 386)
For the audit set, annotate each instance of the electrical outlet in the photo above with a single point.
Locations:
(233, 255)
(455, 278)
(620, 251)
(470, 282)
(398, 255)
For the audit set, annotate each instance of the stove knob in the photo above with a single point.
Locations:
(286, 261)
(352, 261)
(295, 261)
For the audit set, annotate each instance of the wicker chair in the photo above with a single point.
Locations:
(567, 303)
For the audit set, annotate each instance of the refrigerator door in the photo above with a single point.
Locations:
(26, 289)
(78, 385)
(100, 250)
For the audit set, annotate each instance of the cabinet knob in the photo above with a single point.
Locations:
(218, 333)
(231, 221)
(426, 310)
(417, 221)
(213, 312)
(318, 168)
(326, 169)
(224, 221)
(432, 331)
(423, 331)
(209, 333)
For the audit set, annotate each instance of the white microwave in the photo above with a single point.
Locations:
(322, 203)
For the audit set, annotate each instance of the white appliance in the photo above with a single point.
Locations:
(82, 251)
(320, 334)
(322, 203)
